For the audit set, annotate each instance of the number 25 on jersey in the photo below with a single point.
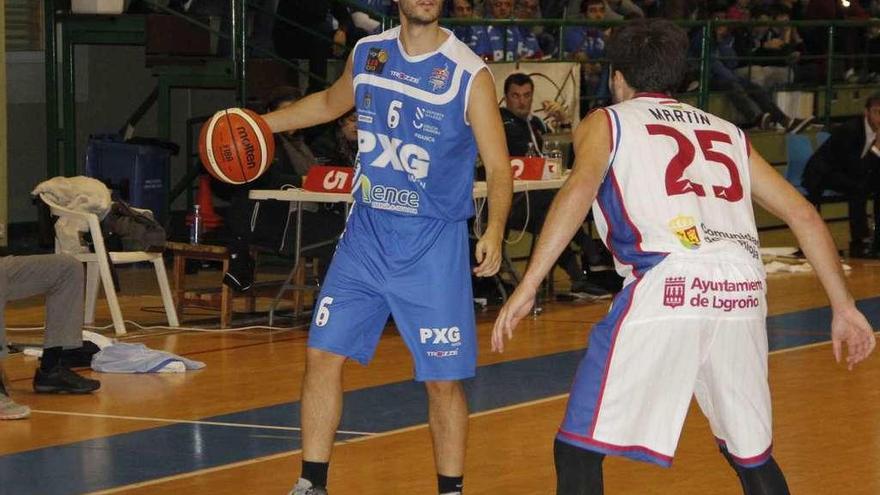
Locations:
(677, 184)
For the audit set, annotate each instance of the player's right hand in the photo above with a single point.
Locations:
(851, 327)
(515, 309)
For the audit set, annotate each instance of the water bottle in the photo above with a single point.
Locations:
(553, 159)
(195, 226)
(532, 151)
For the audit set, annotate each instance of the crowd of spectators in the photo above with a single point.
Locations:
(749, 63)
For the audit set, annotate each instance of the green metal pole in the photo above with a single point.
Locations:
(561, 41)
(68, 106)
(705, 48)
(829, 90)
(51, 57)
(163, 114)
(239, 37)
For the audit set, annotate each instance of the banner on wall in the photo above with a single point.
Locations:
(554, 81)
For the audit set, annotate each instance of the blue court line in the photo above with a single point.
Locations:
(144, 455)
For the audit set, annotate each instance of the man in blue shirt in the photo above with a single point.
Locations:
(587, 45)
(509, 43)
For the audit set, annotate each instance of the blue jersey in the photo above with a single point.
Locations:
(509, 43)
(416, 149)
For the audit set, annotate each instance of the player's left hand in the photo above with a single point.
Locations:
(851, 326)
(515, 309)
(488, 254)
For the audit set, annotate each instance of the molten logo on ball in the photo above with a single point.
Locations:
(248, 147)
(236, 146)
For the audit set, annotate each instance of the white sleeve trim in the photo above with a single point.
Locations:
(467, 91)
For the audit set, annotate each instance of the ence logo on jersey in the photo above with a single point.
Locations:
(388, 198)
(450, 335)
(409, 158)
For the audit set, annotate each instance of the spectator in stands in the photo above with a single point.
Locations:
(766, 41)
(524, 131)
(362, 20)
(586, 44)
(293, 159)
(313, 45)
(60, 278)
(849, 163)
(337, 143)
(752, 101)
(848, 39)
(615, 10)
(508, 43)
(473, 36)
(531, 9)
(739, 11)
(627, 9)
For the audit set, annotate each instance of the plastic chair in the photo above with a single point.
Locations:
(98, 269)
(799, 149)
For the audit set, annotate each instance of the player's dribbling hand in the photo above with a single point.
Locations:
(515, 309)
(850, 326)
(488, 254)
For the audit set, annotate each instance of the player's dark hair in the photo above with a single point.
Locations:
(519, 79)
(872, 100)
(651, 54)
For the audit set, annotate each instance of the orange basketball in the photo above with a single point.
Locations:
(236, 146)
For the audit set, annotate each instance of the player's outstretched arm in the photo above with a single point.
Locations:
(592, 141)
(776, 195)
(485, 121)
(317, 108)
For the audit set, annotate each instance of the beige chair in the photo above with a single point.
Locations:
(98, 269)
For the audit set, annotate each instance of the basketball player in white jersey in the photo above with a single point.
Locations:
(425, 105)
(672, 189)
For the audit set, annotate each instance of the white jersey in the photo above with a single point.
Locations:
(677, 183)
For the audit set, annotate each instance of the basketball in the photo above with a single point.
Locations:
(236, 146)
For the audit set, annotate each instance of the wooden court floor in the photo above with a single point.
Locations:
(226, 429)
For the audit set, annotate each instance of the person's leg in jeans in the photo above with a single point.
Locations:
(762, 98)
(857, 201)
(60, 278)
(740, 99)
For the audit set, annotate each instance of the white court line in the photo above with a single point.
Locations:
(281, 455)
(191, 422)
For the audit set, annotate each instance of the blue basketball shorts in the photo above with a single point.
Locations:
(415, 269)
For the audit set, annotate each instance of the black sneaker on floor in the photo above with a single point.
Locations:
(240, 276)
(62, 380)
(797, 125)
(588, 289)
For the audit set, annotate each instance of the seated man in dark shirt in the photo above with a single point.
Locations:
(849, 163)
(525, 134)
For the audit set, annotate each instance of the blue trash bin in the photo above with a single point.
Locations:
(136, 172)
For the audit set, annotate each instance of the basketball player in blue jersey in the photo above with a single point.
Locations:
(425, 105)
(673, 189)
